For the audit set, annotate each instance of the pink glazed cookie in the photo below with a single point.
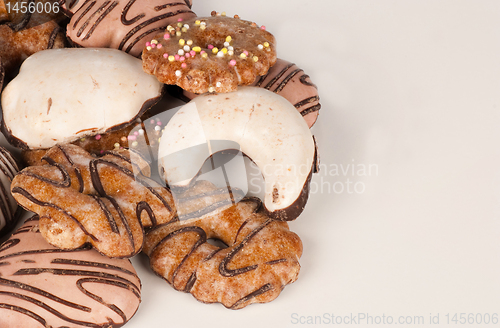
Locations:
(42, 286)
(122, 24)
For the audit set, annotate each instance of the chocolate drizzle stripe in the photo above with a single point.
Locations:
(311, 109)
(94, 265)
(303, 81)
(224, 271)
(137, 39)
(148, 22)
(168, 5)
(4, 263)
(188, 3)
(278, 76)
(10, 168)
(24, 311)
(41, 292)
(85, 11)
(50, 309)
(276, 261)
(53, 36)
(124, 222)
(211, 255)
(306, 101)
(260, 291)
(125, 10)
(41, 251)
(8, 244)
(99, 20)
(190, 282)
(286, 80)
(99, 299)
(65, 183)
(202, 239)
(72, 272)
(87, 22)
(107, 214)
(21, 191)
(78, 173)
(143, 206)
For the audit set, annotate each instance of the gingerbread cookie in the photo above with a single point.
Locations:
(260, 259)
(122, 24)
(42, 286)
(210, 54)
(105, 201)
(22, 35)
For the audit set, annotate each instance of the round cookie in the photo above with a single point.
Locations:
(122, 24)
(8, 205)
(42, 286)
(287, 80)
(106, 201)
(260, 259)
(210, 54)
(75, 93)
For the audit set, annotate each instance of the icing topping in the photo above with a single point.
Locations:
(267, 127)
(73, 93)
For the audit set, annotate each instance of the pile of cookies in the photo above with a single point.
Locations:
(107, 178)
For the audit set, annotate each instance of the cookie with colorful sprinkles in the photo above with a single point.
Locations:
(210, 54)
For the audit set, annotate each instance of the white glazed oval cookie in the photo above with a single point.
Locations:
(268, 129)
(42, 286)
(65, 94)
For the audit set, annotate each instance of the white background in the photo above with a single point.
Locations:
(411, 88)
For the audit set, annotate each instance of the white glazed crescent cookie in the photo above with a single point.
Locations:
(42, 286)
(65, 94)
(268, 129)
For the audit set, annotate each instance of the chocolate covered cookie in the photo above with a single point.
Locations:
(8, 205)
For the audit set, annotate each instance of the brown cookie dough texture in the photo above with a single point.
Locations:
(22, 35)
(106, 201)
(260, 259)
(289, 81)
(42, 286)
(121, 24)
(210, 54)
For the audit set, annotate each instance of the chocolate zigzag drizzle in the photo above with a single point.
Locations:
(285, 75)
(108, 189)
(98, 17)
(261, 256)
(42, 300)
